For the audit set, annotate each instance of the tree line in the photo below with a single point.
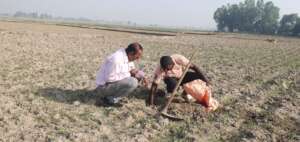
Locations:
(45, 16)
(32, 15)
(253, 16)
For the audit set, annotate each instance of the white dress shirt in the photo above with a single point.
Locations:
(115, 68)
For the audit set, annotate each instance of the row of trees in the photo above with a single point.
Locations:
(46, 16)
(256, 17)
(32, 15)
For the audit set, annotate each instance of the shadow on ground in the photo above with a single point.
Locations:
(91, 97)
(69, 96)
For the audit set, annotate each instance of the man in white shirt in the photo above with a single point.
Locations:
(117, 76)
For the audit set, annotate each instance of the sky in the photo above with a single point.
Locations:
(174, 13)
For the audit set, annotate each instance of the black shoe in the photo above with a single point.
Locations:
(107, 103)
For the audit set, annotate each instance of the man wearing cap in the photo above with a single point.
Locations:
(117, 76)
(170, 70)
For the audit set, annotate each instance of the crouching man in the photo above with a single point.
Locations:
(170, 70)
(117, 76)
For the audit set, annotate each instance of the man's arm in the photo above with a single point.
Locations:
(157, 78)
(198, 71)
(153, 89)
(181, 60)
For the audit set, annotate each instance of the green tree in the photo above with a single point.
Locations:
(287, 24)
(220, 17)
(249, 16)
(296, 30)
(269, 20)
(233, 18)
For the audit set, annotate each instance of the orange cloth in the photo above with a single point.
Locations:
(202, 93)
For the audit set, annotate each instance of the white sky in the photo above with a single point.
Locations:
(182, 13)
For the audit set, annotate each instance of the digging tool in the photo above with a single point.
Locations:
(164, 111)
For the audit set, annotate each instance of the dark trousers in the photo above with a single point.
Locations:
(172, 81)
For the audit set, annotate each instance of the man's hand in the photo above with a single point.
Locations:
(145, 82)
(133, 72)
(140, 75)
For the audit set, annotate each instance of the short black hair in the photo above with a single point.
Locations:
(165, 61)
(133, 48)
